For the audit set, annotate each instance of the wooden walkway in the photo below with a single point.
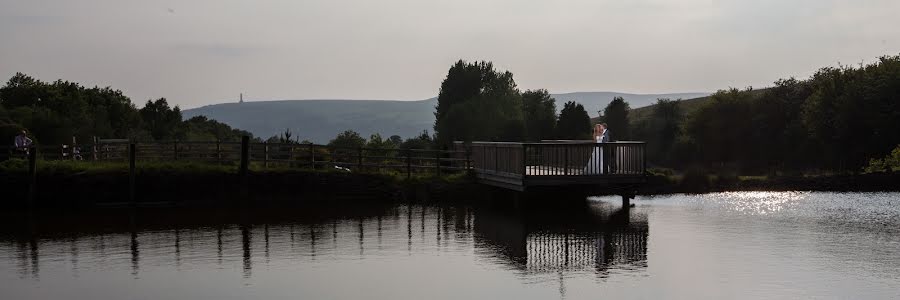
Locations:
(519, 166)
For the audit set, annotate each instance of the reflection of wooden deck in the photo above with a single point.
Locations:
(518, 166)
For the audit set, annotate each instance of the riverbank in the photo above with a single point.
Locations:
(81, 184)
(77, 184)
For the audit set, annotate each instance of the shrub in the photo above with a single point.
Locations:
(695, 180)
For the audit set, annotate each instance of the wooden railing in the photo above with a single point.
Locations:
(558, 158)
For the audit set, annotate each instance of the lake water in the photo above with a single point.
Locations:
(755, 245)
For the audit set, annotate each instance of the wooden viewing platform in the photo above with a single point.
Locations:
(521, 166)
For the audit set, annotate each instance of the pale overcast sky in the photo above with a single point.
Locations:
(207, 51)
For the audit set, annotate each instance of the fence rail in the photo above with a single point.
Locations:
(264, 155)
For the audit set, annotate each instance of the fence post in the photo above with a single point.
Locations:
(437, 162)
(72, 150)
(312, 156)
(291, 155)
(468, 158)
(266, 154)
(408, 163)
(175, 149)
(359, 158)
(219, 152)
(245, 155)
(32, 175)
(94, 148)
(565, 159)
(131, 167)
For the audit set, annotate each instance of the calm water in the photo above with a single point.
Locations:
(730, 245)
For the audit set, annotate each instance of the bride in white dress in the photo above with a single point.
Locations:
(595, 163)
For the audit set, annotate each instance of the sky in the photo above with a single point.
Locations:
(201, 52)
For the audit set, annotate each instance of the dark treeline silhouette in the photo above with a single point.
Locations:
(54, 112)
(838, 120)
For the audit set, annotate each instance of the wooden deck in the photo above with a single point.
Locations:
(518, 166)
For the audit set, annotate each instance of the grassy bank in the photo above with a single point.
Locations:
(74, 183)
(85, 184)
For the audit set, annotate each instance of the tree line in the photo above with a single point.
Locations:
(840, 119)
(55, 112)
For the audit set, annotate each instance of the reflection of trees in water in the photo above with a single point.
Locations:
(571, 240)
(244, 239)
(131, 239)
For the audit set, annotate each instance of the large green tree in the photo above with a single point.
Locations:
(616, 117)
(540, 114)
(664, 128)
(161, 121)
(574, 122)
(477, 102)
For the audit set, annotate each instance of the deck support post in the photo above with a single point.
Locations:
(626, 199)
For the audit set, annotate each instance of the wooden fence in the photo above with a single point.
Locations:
(263, 155)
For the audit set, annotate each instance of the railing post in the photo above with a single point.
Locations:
(408, 163)
(565, 159)
(175, 151)
(496, 158)
(32, 175)
(644, 158)
(266, 154)
(131, 170)
(245, 155)
(524, 160)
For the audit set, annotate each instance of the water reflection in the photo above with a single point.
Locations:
(776, 245)
(597, 238)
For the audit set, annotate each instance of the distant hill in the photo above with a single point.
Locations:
(321, 120)
(687, 105)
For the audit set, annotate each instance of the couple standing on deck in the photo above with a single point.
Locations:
(596, 163)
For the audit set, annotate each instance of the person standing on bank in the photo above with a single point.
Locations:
(21, 143)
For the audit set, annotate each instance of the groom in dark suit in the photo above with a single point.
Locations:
(608, 165)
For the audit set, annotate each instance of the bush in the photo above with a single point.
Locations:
(695, 180)
(726, 179)
(890, 163)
